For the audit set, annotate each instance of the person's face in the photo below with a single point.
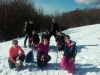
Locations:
(53, 20)
(45, 42)
(15, 44)
(67, 39)
(31, 22)
(60, 34)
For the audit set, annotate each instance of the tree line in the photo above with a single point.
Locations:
(14, 13)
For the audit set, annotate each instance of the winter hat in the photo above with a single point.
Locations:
(33, 32)
(59, 33)
(67, 36)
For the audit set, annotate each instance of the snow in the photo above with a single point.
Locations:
(87, 60)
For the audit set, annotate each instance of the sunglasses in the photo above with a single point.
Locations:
(15, 43)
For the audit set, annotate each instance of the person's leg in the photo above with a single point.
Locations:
(71, 66)
(55, 35)
(26, 37)
(22, 58)
(64, 62)
(59, 49)
(46, 60)
(39, 63)
(11, 64)
(50, 35)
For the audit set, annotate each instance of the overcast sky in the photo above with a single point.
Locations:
(50, 6)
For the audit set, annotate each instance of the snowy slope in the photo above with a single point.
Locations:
(87, 59)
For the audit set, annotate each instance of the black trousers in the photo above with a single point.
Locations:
(53, 33)
(43, 63)
(12, 65)
(60, 48)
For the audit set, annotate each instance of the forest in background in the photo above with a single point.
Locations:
(13, 15)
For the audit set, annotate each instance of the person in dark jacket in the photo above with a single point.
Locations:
(46, 35)
(35, 38)
(60, 40)
(53, 28)
(70, 51)
(29, 29)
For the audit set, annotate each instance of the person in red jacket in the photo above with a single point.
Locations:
(16, 53)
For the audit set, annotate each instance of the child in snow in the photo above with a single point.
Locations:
(68, 59)
(60, 40)
(35, 39)
(46, 35)
(42, 55)
(16, 53)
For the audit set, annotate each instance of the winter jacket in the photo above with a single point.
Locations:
(54, 28)
(29, 29)
(60, 40)
(14, 52)
(42, 49)
(70, 50)
(35, 38)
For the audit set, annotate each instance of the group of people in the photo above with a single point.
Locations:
(63, 41)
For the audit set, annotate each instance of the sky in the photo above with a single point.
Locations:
(51, 6)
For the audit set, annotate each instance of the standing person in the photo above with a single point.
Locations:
(68, 59)
(16, 53)
(42, 55)
(29, 29)
(53, 28)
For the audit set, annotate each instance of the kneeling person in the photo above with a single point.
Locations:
(16, 53)
(42, 55)
(70, 51)
(60, 40)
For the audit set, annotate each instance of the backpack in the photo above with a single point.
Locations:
(25, 25)
(29, 57)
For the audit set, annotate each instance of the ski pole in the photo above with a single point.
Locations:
(56, 59)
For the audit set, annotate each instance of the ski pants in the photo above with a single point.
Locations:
(67, 64)
(43, 63)
(12, 65)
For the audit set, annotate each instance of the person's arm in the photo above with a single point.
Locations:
(38, 39)
(10, 56)
(75, 51)
(62, 46)
(27, 29)
(21, 51)
(46, 53)
(37, 46)
(57, 28)
(49, 28)
(57, 38)
(33, 28)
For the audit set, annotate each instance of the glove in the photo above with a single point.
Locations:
(17, 65)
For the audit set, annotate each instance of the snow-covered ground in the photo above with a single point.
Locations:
(87, 59)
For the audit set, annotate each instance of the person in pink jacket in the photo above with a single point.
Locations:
(16, 53)
(42, 55)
